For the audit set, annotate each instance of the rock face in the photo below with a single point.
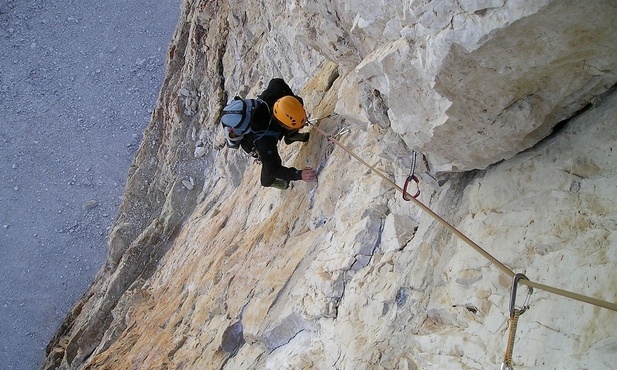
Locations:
(207, 270)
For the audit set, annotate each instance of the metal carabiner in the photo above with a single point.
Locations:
(343, 130)
(405, 193)
(514, 315)
(525, 306)
(411, 177)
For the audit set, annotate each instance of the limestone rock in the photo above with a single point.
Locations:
(344, 273)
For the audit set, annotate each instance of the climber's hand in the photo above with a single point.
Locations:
(309, 174)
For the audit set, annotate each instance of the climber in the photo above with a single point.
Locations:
(257, 125)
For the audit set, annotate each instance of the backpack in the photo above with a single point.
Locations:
(236, 119)
(236, 122)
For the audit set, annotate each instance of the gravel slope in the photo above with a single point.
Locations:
(78, 81)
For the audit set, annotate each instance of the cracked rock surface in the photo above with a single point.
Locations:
(517, 147)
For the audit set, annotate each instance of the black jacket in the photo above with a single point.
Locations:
(267, 132)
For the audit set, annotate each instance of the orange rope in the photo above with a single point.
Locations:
(507, 360)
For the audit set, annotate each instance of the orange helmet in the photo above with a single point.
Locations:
(290, 112)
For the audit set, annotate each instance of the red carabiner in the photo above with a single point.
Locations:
(405, 193)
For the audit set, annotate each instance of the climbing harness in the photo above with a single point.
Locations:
(411, 177)
(515, 313)
(503, 268)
